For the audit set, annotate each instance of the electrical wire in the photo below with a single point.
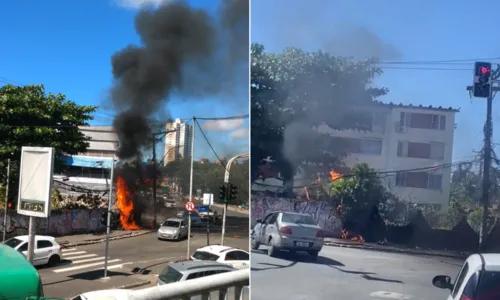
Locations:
(209, 144)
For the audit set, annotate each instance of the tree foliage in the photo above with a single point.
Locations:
(293, 92)
(208, 177)
(31, 117)
(360, 192)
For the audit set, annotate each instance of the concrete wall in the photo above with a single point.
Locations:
(321, 211)
(60, 222)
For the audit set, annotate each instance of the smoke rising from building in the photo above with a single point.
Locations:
(185, 51)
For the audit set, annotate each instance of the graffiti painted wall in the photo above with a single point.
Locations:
(60, 222)
(321, 211)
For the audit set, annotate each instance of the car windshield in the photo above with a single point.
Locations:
(171, 224)
(170, 275)
(298, 219)
(489, 286)
(13, 242)
(203, 255)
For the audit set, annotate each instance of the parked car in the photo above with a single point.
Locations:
(173, 229)
(237, 258)
(479, 278)
(288, 231)
(114, 294)
(47, 251)
(186, 270)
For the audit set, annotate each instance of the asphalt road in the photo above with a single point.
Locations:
(342, 273)
(139, 256)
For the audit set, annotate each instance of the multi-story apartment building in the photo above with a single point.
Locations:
(178, 142)
(417, 141)
(90, 170)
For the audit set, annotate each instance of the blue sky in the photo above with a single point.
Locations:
(67, 45)
(407, 31)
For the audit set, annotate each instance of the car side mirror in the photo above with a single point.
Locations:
(442, 282)
(259, 221)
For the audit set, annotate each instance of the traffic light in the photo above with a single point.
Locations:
(104, 218)
(482, 80)
(233, 190)
(223, 193)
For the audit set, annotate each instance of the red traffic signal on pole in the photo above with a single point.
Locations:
(482, 80)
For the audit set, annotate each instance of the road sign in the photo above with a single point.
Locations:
(203, 208)
(208, 199)
(190, 206)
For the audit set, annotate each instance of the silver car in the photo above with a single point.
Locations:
(288, 231)
(173, 229)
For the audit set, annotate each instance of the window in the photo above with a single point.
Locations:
(237, 255)
(379, 120)
(421, 150)
(203, 255)
(43, 244)
(170, 275)
(13, 242)
(298, 219)
(460, 279)
(362, 146)
(273, 218)
(422, 180)
(201, 274)
(422, 121)
(24, 247)
(171, 224)
(489, 286)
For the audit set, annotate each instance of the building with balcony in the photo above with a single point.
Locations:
(178, 142)
(412, 145)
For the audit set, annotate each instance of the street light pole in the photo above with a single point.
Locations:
(108, 222)
(191, 189)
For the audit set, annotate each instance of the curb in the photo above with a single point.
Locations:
(392, 250)
(101, 240)
(134, 285)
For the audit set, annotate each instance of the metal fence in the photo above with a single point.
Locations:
(226, 286)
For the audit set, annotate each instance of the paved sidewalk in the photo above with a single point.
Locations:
(393, 249)
(87, 239)
(74, 285)
(233, 208)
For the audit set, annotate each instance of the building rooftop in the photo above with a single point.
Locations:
(411, 106)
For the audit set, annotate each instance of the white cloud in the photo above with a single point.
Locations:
(240, 133)
(222, 125)
(134, 4)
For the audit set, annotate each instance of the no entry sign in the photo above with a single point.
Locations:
(190, 206)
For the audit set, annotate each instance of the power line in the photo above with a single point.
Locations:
(209, 144)
(443, 61)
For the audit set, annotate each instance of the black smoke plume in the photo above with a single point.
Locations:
(184, 50)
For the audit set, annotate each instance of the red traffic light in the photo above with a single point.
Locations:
(9, 205)
(484, 70)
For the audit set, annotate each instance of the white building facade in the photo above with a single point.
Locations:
(416, 141)
(178, 142)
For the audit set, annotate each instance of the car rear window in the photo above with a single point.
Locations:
(170, 275)
(489, 286)
(171, 224)
(13, 242)
(298, 219)
(203, 255)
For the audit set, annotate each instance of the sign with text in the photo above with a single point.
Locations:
(208, 199)
(35, 181)
(203, 208)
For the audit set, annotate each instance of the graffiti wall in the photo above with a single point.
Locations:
(321, 211)
(60, 222)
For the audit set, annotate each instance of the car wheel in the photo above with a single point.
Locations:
(272, 251)
(53, 260)
(255, 244)
(314, 254)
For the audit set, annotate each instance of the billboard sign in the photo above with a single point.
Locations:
(35, 181)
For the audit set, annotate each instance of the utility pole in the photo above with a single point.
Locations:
(6, 201)
(484, 77)
(108, 219)
(191, 189)
(154, 181)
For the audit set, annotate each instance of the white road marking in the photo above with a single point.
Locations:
(68, 257)
(87, 260)
(68, 249)
(390, 295)
(84, 266)
(76, 252)
(111, 267)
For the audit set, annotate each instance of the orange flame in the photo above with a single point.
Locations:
(334, 175)
(346, 236)
(125, 205)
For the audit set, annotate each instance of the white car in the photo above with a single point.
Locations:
(114, 294)
(479, 278)
(47, 251)
(234, 257)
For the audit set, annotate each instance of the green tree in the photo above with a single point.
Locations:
(294, 91)
(360, 191)
(31, 117)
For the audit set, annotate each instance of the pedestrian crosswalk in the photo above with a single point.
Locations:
(79, 260)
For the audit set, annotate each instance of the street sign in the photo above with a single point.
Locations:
(190, 206)
(208, 199)
(203, 208)
(35, 181)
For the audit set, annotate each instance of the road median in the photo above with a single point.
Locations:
(393, 249)
(88, 239)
